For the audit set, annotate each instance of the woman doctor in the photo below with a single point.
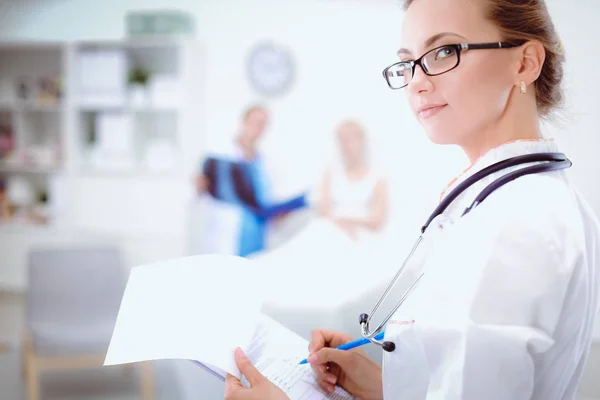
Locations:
(507, 304)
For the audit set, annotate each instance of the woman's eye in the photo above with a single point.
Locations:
(444, 52)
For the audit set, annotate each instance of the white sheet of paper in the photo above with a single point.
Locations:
(196, 308)
(276, 352)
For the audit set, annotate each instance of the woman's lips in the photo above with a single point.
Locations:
(429, 110)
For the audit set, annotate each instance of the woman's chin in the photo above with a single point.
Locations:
(439, 137)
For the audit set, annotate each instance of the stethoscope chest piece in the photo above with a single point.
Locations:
(386, 345)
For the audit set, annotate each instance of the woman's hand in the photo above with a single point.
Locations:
(281, 217)
(352, 369)
(261, 388)
(202, 184)
(348, 227)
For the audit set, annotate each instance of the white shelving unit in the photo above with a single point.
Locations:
(109, 160)
(148, 117)
(31, 129)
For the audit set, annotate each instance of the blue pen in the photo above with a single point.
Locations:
(353, 344)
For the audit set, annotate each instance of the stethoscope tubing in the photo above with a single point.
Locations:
(549, 162)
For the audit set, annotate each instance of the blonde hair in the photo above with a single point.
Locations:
(354, 126)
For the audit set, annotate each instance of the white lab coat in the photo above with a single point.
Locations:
(507, 306)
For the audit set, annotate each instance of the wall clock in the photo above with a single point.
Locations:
(270, 69)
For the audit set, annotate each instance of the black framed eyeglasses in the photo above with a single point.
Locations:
(436, 61)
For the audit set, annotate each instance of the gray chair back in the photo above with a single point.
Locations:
(73, 298)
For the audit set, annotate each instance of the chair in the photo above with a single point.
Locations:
(71, 309)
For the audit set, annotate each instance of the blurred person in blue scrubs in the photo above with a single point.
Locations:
(232, 228)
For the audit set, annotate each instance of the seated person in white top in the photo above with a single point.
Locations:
(353, 194)
(352, 204)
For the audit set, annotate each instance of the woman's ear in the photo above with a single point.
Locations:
(531, 57)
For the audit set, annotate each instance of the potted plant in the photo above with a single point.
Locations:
(138, 85)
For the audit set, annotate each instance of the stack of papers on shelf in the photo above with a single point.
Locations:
(165, 91)
(114, 148)
(102, 78)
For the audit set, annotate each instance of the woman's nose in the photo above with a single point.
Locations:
(420, 82)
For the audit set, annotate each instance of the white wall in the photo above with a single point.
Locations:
(340, 48)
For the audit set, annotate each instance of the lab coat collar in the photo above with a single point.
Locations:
(239, 154)
(500, 153)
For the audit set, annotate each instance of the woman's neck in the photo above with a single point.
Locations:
(249, 153)
(356, 170)
(247, 148)
(524, 126)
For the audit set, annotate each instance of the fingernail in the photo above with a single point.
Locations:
(312, 359)
(330, 389)
(238, 352)
(331, 379)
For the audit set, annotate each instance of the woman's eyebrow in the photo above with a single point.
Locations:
(431, 41)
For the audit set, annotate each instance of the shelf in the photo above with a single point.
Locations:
(132, 43)
(127, 108)
(31, 46)
(26, 169)
(29, 107)
(26, 228)
(131, 173)
(154, 109)
(38, 107)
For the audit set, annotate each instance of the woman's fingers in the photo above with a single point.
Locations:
(335, 370)
(325, 375)
(246, 368)
(320, 338)
(320, 369)
(232, 385)
(326, 386)
(317, 340)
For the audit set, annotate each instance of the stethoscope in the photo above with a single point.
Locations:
(550, 162)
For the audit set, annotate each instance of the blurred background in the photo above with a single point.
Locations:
(107, 110)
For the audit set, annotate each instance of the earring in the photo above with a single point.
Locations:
(523, 87)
